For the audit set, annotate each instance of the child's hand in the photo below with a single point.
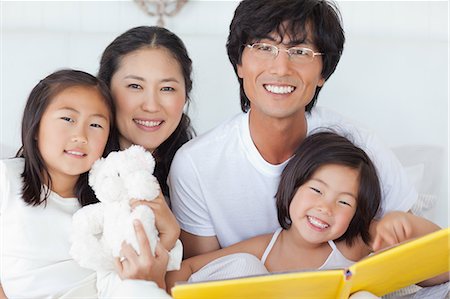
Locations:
(166, 223)
(393, 228)
(144, 266)
(396, 227)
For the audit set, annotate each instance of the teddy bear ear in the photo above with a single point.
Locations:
(150, 160)
(135, 149)
(145, 156)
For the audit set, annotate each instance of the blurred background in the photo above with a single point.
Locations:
(392, 78)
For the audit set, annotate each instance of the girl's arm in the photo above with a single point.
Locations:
(191, 265)
(2, 294)
(396, 227)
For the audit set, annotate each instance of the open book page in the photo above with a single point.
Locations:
(302, 285)
(381, 273)
(403, 265)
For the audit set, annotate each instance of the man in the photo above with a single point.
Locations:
(223, 183)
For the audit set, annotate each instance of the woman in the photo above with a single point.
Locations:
(148, 71)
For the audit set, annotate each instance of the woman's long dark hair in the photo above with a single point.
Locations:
(329, 148)
(35, 173)
(153, 37)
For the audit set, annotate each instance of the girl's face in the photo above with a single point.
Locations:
(73, 132)
(323, 206)
(149, 92)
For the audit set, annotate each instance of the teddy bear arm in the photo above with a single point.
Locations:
(89, 219)
(89, 252)
(87, 248)
(142, 185)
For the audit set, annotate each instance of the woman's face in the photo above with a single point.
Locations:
(149, 92)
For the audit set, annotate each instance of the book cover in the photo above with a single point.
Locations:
(384, 272)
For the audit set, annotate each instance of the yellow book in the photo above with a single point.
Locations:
(389, 270)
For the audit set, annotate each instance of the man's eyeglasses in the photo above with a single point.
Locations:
(296, 54)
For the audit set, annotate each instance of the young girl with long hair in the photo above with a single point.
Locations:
(65, 128)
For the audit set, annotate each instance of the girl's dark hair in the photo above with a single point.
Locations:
(153, 37)
(329, 148)
(255, 20)
(35, 173)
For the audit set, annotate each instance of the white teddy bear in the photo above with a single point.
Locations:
(99, 229)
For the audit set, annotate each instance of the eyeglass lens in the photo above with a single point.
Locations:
(297, 54)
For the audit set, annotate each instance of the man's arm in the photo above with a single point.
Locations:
(189, 206)
(194, 245)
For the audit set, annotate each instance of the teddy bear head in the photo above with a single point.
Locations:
(124, 175)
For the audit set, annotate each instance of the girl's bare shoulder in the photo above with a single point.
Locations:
(255, 245)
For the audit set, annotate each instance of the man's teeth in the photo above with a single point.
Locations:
(147, 123)
(279, 89)
(75, 153)
(317, 222)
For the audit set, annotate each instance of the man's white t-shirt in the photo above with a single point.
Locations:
(34, 253)
(220, 185)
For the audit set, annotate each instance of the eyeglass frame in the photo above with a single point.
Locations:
(278, 49)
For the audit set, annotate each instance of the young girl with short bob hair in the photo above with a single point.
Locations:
(328, 195)
(318, 151)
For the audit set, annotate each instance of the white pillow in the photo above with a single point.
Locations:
(423, 167)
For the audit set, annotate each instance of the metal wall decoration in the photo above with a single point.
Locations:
(161, 8)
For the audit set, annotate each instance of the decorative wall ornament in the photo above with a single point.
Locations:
(161, 8)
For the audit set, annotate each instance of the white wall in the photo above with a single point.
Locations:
(392, 78)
